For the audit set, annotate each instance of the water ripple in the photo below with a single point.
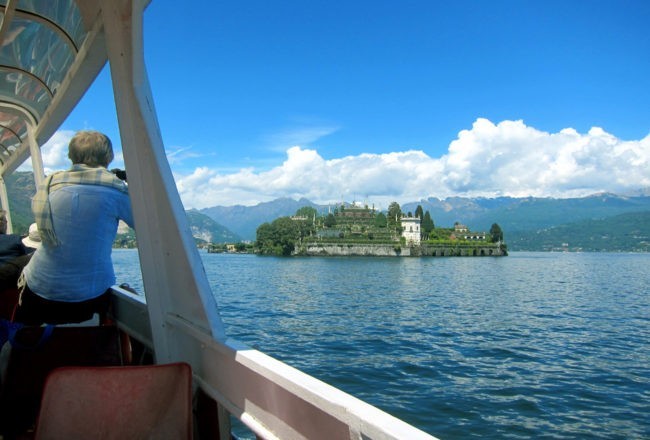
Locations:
(529, 346)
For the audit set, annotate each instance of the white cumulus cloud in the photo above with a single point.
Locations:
(488, 159)
(54, 153)
(504, 159)
(511, 158)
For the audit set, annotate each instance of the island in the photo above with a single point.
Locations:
(352, 229)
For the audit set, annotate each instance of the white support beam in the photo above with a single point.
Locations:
(4, 199)
(37, 157)
(172, 270)
(8, 16)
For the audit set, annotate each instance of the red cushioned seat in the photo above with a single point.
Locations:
(134, 402)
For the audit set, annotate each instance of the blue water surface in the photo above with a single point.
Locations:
(533, 345)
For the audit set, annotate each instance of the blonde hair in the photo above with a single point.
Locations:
(90, 148)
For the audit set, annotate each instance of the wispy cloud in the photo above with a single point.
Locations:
(303, 136)
(177, 155)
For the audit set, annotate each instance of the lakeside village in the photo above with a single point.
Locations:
(359, 230)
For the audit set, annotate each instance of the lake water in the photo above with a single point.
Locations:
(533, 345)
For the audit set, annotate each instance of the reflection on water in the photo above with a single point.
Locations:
(532, 345)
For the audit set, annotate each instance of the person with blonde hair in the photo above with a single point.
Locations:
(77, 212)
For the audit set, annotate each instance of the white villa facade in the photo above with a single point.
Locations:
(411, 230)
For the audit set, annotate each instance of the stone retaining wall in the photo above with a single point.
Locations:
(387, 250)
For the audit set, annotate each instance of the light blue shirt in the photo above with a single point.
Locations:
(85, 219)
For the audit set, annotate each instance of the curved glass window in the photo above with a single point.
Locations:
(12, 130)
(38, 50)
(64, 13)
(38, 47)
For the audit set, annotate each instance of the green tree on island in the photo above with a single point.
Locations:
(394, 217)
(278, 237)
(394, 212)
(329, 221)
(496, 234)
(380, 220)
(307, 211)
(427, 225)
(419, 213)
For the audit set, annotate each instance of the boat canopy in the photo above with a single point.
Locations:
(51, 51)
(48, 58)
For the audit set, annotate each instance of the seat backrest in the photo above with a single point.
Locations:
(29, 360)
(134, 402)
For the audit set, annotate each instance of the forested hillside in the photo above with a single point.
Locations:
(20, 190)
(528, 213)
(205, 229)
(622, 233)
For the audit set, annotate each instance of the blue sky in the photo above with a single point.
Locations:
(393, 100)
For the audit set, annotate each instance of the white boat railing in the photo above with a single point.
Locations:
(273, 399)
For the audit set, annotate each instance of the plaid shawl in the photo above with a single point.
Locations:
(78, 175)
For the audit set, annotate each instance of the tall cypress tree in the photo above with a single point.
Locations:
(427, 223)
(496, 234)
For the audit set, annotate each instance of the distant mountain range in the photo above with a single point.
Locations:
(598, 222)
(529, 213)
(244, 220)
(524, 220)
(206, 229)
